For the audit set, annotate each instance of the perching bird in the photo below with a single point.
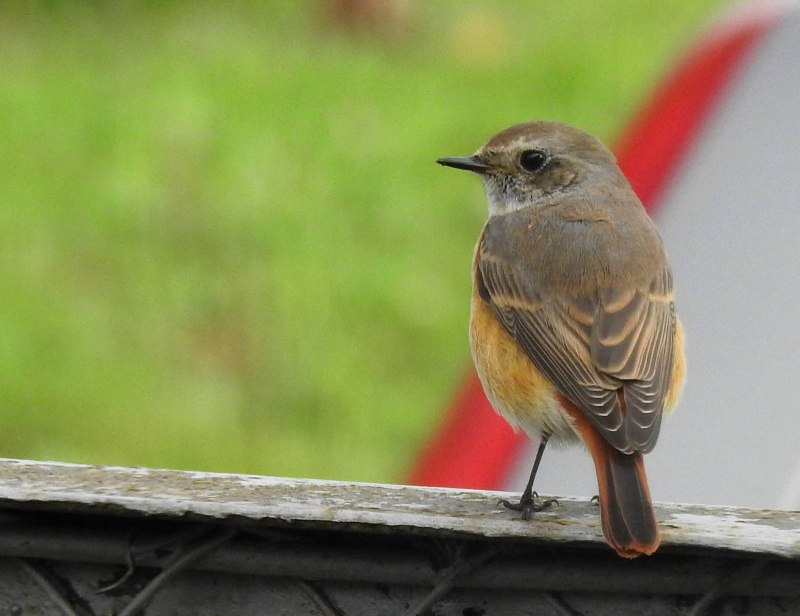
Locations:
(573, 327)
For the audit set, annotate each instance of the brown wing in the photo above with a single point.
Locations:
(633, 341)
(592, 349)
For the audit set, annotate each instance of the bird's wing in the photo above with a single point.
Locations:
(591, 349)
(632, 340)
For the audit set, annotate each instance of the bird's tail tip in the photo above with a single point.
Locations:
(626, 511)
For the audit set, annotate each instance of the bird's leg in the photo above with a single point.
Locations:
(527, 503)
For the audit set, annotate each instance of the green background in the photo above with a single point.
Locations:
(225, 244)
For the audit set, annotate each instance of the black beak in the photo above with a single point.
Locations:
(470, 163)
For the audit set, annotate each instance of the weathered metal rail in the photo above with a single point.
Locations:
(84, 540)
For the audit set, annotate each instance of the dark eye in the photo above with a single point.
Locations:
(532, 160)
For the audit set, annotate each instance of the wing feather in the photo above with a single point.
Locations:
(610, 354)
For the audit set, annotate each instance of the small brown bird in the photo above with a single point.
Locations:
(573, 327)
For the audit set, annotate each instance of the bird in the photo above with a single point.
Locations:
(573, 328)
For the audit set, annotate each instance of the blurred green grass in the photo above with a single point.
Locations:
(225, 244)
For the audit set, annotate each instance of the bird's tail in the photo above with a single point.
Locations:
(626, 511)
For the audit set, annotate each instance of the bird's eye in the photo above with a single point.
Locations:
(532, 160)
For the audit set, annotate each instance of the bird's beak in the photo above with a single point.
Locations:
(470, 163)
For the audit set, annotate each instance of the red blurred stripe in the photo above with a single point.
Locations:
(652, 146)
(472, 448)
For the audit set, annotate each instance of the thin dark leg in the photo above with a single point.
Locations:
(528, 493)
(527, 503)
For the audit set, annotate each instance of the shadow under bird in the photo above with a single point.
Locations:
(573, 327)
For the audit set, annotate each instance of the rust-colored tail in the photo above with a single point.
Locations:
(626, 511)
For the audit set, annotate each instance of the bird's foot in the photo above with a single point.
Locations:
(529, 504)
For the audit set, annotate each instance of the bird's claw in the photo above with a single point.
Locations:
(529, 506)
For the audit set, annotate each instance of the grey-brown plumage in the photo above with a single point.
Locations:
(573, 325)
(593, 320)
(575, 270)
